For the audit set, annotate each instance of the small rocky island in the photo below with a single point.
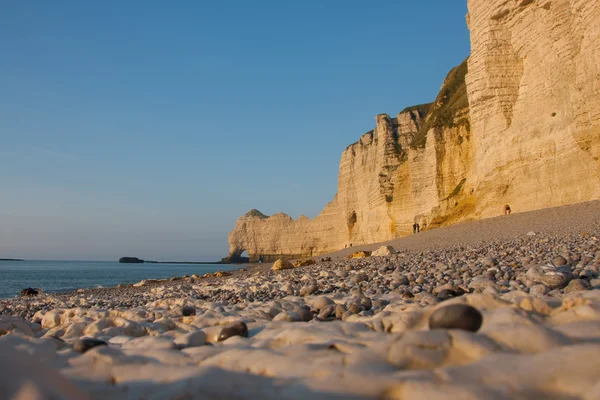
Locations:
(130, 260)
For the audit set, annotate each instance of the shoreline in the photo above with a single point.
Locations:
(583, 216)
(150, 282)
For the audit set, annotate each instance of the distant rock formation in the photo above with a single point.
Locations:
(30, 292)
(517, 123)
(130, 260)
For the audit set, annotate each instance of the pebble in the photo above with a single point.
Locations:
(456, 316)
(548, 275)
(577, 285)
(192, 339)
(559, 261)
(186, 311)
(308, 290)
(238, 328)
(84, 344)
(360, 277)
(321, 302)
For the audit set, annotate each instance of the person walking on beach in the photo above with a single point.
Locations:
(414, 228)
(418, 228)
(507, 210)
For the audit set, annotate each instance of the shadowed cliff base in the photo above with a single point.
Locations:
(564, 220)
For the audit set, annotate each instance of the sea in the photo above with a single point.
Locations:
(60, 276)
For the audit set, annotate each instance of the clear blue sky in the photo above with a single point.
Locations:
(146, 128)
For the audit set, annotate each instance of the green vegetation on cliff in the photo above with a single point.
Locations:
(451, 100)
(256, 213)
(423, 109)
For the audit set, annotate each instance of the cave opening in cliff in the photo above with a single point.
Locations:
(352, 219)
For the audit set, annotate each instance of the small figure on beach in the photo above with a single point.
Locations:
(506, 209)
(415, 227)
(418, 228)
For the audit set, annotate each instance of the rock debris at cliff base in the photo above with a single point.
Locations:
(528, 309)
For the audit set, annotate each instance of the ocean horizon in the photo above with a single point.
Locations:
(54, 276)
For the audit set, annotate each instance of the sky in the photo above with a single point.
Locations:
(146, 128)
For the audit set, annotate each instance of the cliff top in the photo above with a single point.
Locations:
(421, 108)
(451, 100)
(256, 213)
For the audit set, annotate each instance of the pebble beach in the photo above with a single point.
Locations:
(505, 308)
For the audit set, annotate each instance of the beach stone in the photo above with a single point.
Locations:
(318, 303)
(360, 254)
(420, 350)
(577, 285)
(354, 308)
(146, 282)
(447, 286)
(365, 303)
(346, 315)
(342, 274)
(192, 339)
(281, 264)
(384, 251)
(150, 342)
(327, 311)
(304, 263)
(29, 292)
(120, 339)
(482, 283)
(187, 311)
(534, 304)
(456, 316)
(289, 316)
(10, 324)
(238, 328)
(51, 319)
(445, 294)
(401, 280)
(538, 290)
(304, 312)
(84, 344)
(326, 274)
(549, 276)
(559, 261)
(27, 376)
(360, 277)
(308, 290)
(525, 338)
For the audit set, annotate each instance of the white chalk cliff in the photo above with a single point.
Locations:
(518, 123)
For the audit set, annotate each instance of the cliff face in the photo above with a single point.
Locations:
(530, 138)
(409, 168)
(534, 90)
